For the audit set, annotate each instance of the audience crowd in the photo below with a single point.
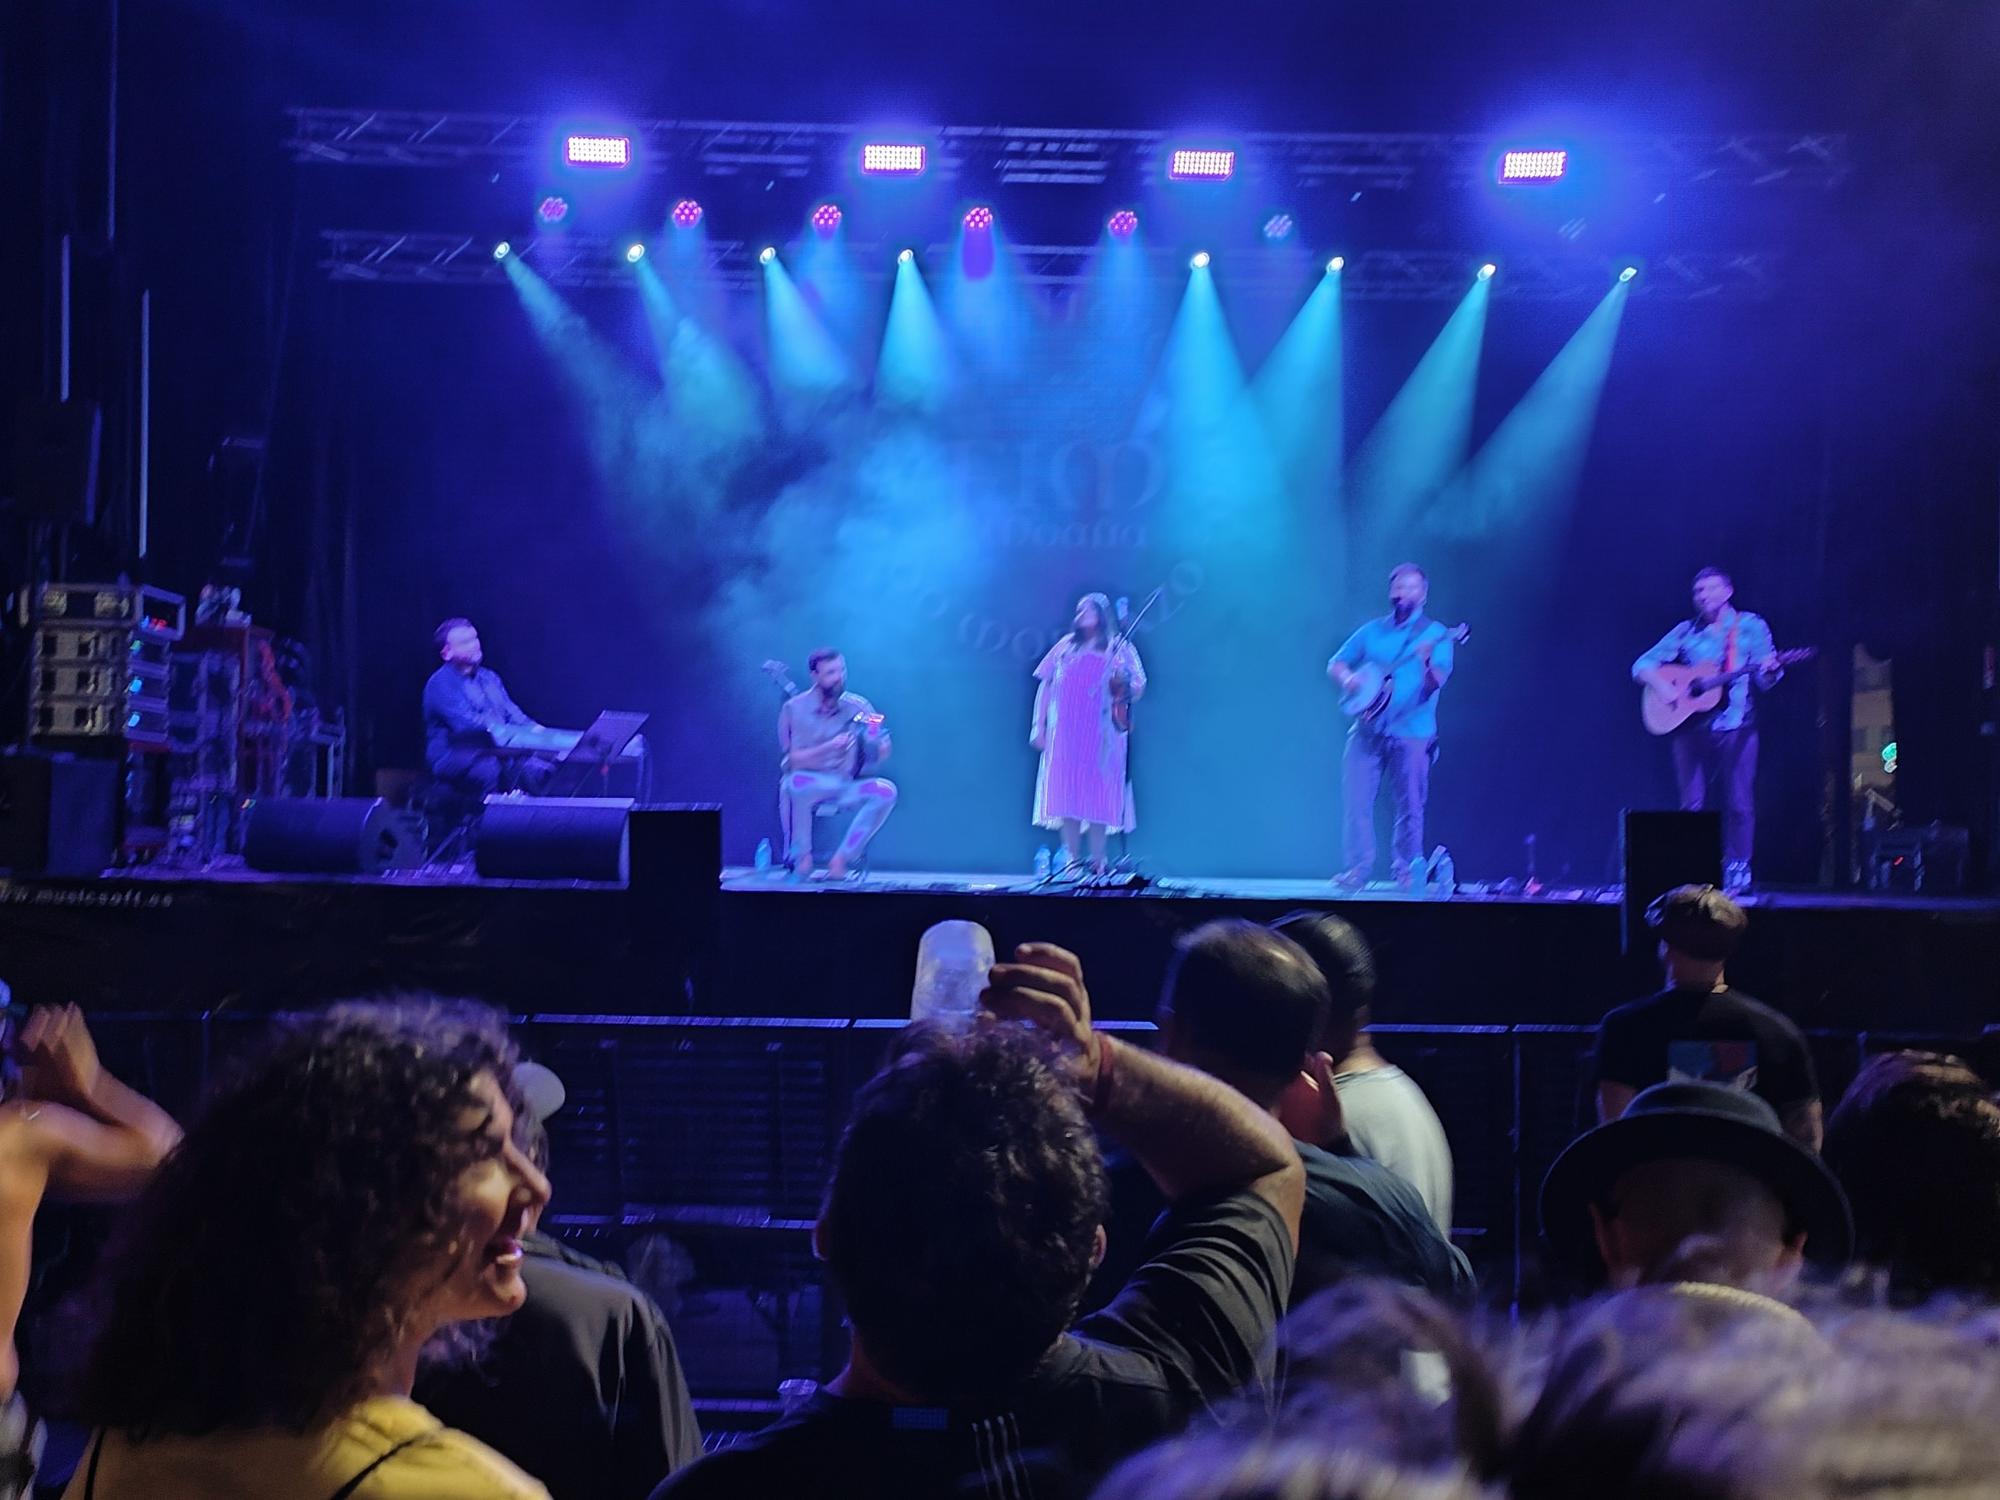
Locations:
(1219, 1267)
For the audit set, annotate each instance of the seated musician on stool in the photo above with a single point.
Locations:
(830, 737)
(464, 702)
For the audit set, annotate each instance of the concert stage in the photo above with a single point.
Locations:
(710, 1040)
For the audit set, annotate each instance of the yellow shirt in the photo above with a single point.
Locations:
(265, 1464)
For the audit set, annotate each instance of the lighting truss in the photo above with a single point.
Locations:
(1045, 156)
(574, 261)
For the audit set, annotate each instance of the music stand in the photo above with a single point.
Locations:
(600, 745)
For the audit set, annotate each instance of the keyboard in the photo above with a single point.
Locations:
(540, 739)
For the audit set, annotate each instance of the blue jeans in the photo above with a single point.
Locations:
(1406, 763)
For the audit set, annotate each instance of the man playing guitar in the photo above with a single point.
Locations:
(1391, 671)
(1715, 754)
(831, 740)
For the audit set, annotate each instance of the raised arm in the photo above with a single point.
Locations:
(1194, 1134)
(101, 1139)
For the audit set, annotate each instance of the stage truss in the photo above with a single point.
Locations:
(571, 261)
(1017, 155)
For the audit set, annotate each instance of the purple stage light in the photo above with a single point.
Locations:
(1278, 227)
(826, 218)
(1542, 164)
(598, 150)
(1123, 224)
(979, 219)
(889, 159)
(553, 210)
(687, 214)
(1202, 166)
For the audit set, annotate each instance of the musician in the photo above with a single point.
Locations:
(1414, 653)
(464, 702)
(831, 738)
(1081, 787)
(1715, 754)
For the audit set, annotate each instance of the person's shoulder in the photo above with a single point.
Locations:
(1634, 1011)
(793, 1457)
(797, 698)
(1736, 1002)
(428, 1461)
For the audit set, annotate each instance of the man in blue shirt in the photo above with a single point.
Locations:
(1412, 654)
(1715, 754)
(464, 702)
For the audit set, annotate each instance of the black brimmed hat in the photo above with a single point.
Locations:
(1707, 1122)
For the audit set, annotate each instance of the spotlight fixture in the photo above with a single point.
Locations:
(1628, 273)
(502, 250)
(1335, 264)
(598, 150)
(1540, 164)
(979, 218)
(1486, 271)
(552, 209)
(826, 218)
(1123, 224)
(686, 214)
(892, 159)
(1202, 166)
(1278, 227)
(1199, 260)
(768, 254)
(634, 253)
(904, 257)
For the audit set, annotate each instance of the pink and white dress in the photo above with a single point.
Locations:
(1082, 774)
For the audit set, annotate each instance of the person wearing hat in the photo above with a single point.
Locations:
(1694, 1183)
(1698, 1028)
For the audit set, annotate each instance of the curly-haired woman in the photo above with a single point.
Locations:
(343, 1200)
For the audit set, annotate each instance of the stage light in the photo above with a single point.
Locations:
(502, 250)
(1486, 271)
(1543, 164)
(1628, 273)
(1199, 260)
(686, 214)
(768, 254)
(1202, 166)
(634, 253)
(1123, 224)
(888, 159)
(1278, 227)
(1335, 264)
(904, 257)
(552, 209)
(979, 218)
(598, 150)
(826, 218)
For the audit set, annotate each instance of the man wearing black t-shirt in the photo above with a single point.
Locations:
(1698, 1029)
(960, 1226)
(1248, 1005)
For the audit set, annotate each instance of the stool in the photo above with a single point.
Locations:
(451, 821)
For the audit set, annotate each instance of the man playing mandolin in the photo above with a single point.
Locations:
(1715, 753)
(1390, 672)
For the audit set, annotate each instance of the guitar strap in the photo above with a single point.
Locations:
(1729, 645)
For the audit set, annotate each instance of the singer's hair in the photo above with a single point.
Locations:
(443, 633)
(1401, 568)
(824, 653)
(1103, 604)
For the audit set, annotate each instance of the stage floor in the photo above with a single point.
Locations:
(742, 879)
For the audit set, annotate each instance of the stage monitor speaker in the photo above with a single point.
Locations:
(58, 814)
(555, 838)
(330, 836)
(56, 444)
(1663, 850)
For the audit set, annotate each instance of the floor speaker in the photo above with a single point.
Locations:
(331, 836)
(555, 838)
(58, 814)
(1663, 850)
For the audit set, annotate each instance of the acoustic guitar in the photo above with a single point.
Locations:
(1699, 689)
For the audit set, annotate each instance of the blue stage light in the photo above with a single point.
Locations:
(768, 254)
(1628, 273)
(1335, 264)
(502, 250)
(904, 257)
(1541, 164)
(1486, 271)
(634, 253)
(1198, 260)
